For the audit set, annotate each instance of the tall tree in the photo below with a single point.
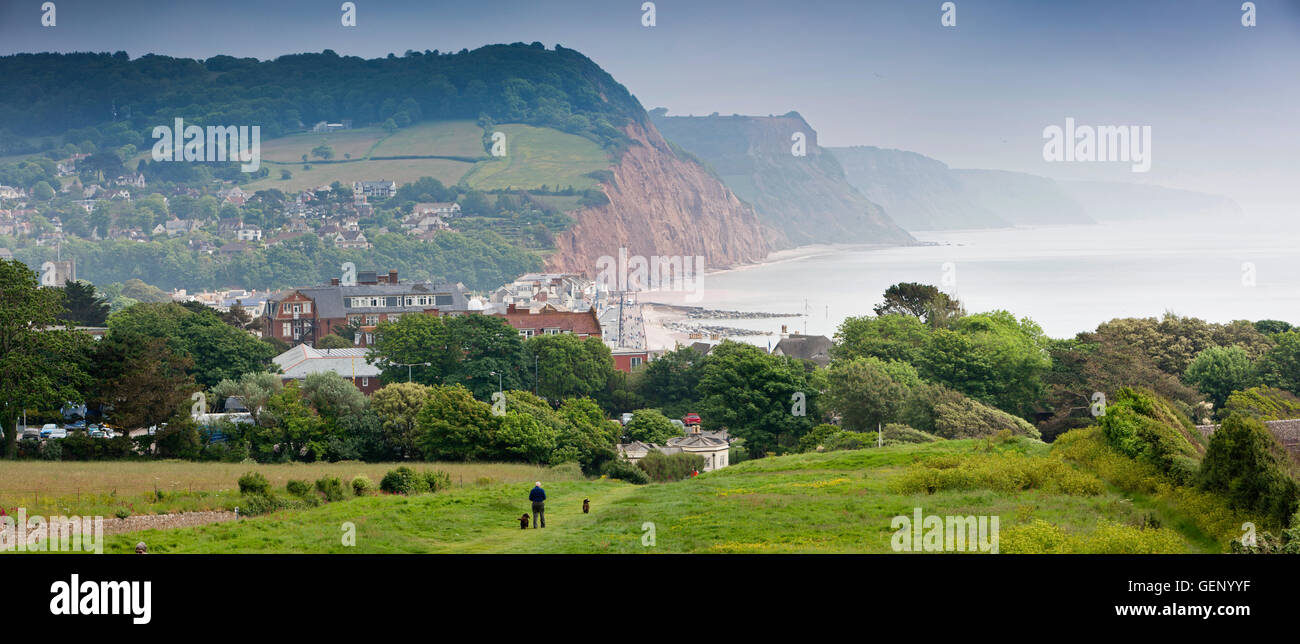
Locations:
(41, 365)
(82, 305)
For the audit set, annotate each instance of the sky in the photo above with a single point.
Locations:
(1221, 99)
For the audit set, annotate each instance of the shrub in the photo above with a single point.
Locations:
(331, 487)
(298, 488)
(254, 483)
(736, 455)
(1041, 537)
(52, 450)
(435, 480)
(999, 472)
(402, 480)
(625, 471)
(1141, 425)
(1247, 464)
(122, 513)
(1209, 511)
(361, 485)
(567, 471)
(662, 468)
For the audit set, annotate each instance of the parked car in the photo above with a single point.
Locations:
(80, 424)
(50, 430)
(691, 418)
(31, 433)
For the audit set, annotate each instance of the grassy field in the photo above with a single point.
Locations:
(540, 156)
(100, 488)
(399, 170)
(840, 502)
(289, 149)
(434, 138)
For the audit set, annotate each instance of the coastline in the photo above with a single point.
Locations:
(660, 307)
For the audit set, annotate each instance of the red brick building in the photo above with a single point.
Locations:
(548, 320)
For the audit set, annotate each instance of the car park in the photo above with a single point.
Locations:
(50, 430)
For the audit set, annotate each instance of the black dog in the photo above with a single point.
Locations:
(523, 522)
(586, 506)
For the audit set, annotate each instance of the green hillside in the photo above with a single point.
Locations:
(444, 150)
(540, 156)
(1049, 499)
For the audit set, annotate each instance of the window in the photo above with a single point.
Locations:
(636, 361)
(527, 333)
(365, 382)
(391, 301)
(286, 329)
(306, 307)
(297, 308)
(372, 320)
(353, 319)
(443, 300)
(393, 317)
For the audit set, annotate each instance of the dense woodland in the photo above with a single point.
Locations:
(66, 96)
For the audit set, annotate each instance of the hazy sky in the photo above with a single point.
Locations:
(1221, 99)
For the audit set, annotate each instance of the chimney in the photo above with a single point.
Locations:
(334, 281)
(392, 276)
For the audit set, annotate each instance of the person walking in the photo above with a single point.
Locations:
(538, 497)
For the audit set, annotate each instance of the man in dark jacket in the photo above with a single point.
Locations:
(538, 497)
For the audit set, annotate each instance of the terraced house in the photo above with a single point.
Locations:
(304, 315)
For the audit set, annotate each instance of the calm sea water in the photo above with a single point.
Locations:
(1066, 278)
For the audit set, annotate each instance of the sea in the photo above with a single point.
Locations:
(1067, 279)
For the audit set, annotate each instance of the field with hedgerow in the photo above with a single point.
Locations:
(1077, 495)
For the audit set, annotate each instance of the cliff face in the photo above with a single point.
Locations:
(660, 205)
(918, 192)
(807, 199)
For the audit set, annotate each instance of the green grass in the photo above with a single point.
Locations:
(289, 149)
(156, 487)
(540, 156)
(399, 170)
(434, 138)
(839, 502)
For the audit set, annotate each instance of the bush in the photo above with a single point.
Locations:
(254, 483)
(662, 468)
(52, 450)
(1141, 425)
(402, 480)
(1247, 464)
(331, 487)
(298, 488)
(567, 471)
(1004, 473)
(435, 481)
(361, 485)
(623, 470)
(1041, 537)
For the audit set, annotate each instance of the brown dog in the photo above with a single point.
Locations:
(523, 522)
(586, 506)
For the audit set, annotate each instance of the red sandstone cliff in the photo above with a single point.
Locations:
(661, 204)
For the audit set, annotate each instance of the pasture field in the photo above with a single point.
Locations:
(102, 487)
(540, 156)
(838, 502)
(400, 170)
(434, 138)
(289, 149)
